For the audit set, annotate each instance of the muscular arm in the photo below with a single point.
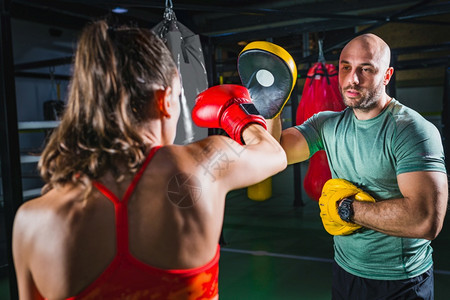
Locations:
(262, 157)
(218, 159)
(291, 140)
(419, 214)
(295, 145)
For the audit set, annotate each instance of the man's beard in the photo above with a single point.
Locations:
(368, 100)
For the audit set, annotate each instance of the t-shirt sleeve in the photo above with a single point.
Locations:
(418, 147)
(312, 130)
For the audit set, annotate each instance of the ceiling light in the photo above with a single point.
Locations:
(119, 10)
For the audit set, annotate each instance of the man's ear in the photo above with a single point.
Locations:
(388, 75)
(163, 97)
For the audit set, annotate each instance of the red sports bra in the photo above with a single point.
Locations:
(128, 278)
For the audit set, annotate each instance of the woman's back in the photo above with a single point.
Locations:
(162, 233)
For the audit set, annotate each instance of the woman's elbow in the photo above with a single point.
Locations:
(282, 158)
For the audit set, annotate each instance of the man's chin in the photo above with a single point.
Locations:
(351, 102)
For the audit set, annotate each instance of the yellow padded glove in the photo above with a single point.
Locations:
(334, 191)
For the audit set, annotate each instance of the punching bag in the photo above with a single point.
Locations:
(320, 93)
(187, 53)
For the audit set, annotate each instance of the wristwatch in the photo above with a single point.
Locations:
(345, 210)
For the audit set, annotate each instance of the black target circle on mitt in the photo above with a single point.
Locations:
(269, 73)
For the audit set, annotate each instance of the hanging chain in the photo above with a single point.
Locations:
(53, 84)
(51, 70)
(169, 15)
(321, 56)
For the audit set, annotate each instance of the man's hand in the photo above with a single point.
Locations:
(334, 191)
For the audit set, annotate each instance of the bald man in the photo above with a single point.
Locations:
(389, 151)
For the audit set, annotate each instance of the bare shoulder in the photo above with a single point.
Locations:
(27, 214)
(209, 161)
(210, 150)
(45, 211)
(22, 246)
(59, 234)
(29, 221)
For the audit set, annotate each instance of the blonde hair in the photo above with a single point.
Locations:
(115, 74)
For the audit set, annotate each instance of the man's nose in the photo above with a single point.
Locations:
(353, 78)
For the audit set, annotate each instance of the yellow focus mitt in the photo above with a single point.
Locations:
(269, 73)
(334, 191)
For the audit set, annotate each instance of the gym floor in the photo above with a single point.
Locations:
(276, 251)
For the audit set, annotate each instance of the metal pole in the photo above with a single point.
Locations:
(298, 201)
(209, 53)
(9, 138)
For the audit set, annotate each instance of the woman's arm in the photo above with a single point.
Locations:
(21, 252)
(224, 161)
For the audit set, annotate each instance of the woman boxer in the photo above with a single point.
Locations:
(124, 212)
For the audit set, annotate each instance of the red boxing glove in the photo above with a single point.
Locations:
(226, 106)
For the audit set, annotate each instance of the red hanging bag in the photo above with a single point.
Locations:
(320, 93)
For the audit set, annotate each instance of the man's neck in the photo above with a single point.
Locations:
(372, 113)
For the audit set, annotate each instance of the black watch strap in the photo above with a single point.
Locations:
(345, 209)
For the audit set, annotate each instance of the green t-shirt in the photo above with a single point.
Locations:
(370, 154)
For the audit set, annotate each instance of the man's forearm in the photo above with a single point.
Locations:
(274, 127)
(398, 217)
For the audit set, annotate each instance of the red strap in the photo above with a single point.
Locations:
(120, 206)
(105, 191)
(138, 175)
